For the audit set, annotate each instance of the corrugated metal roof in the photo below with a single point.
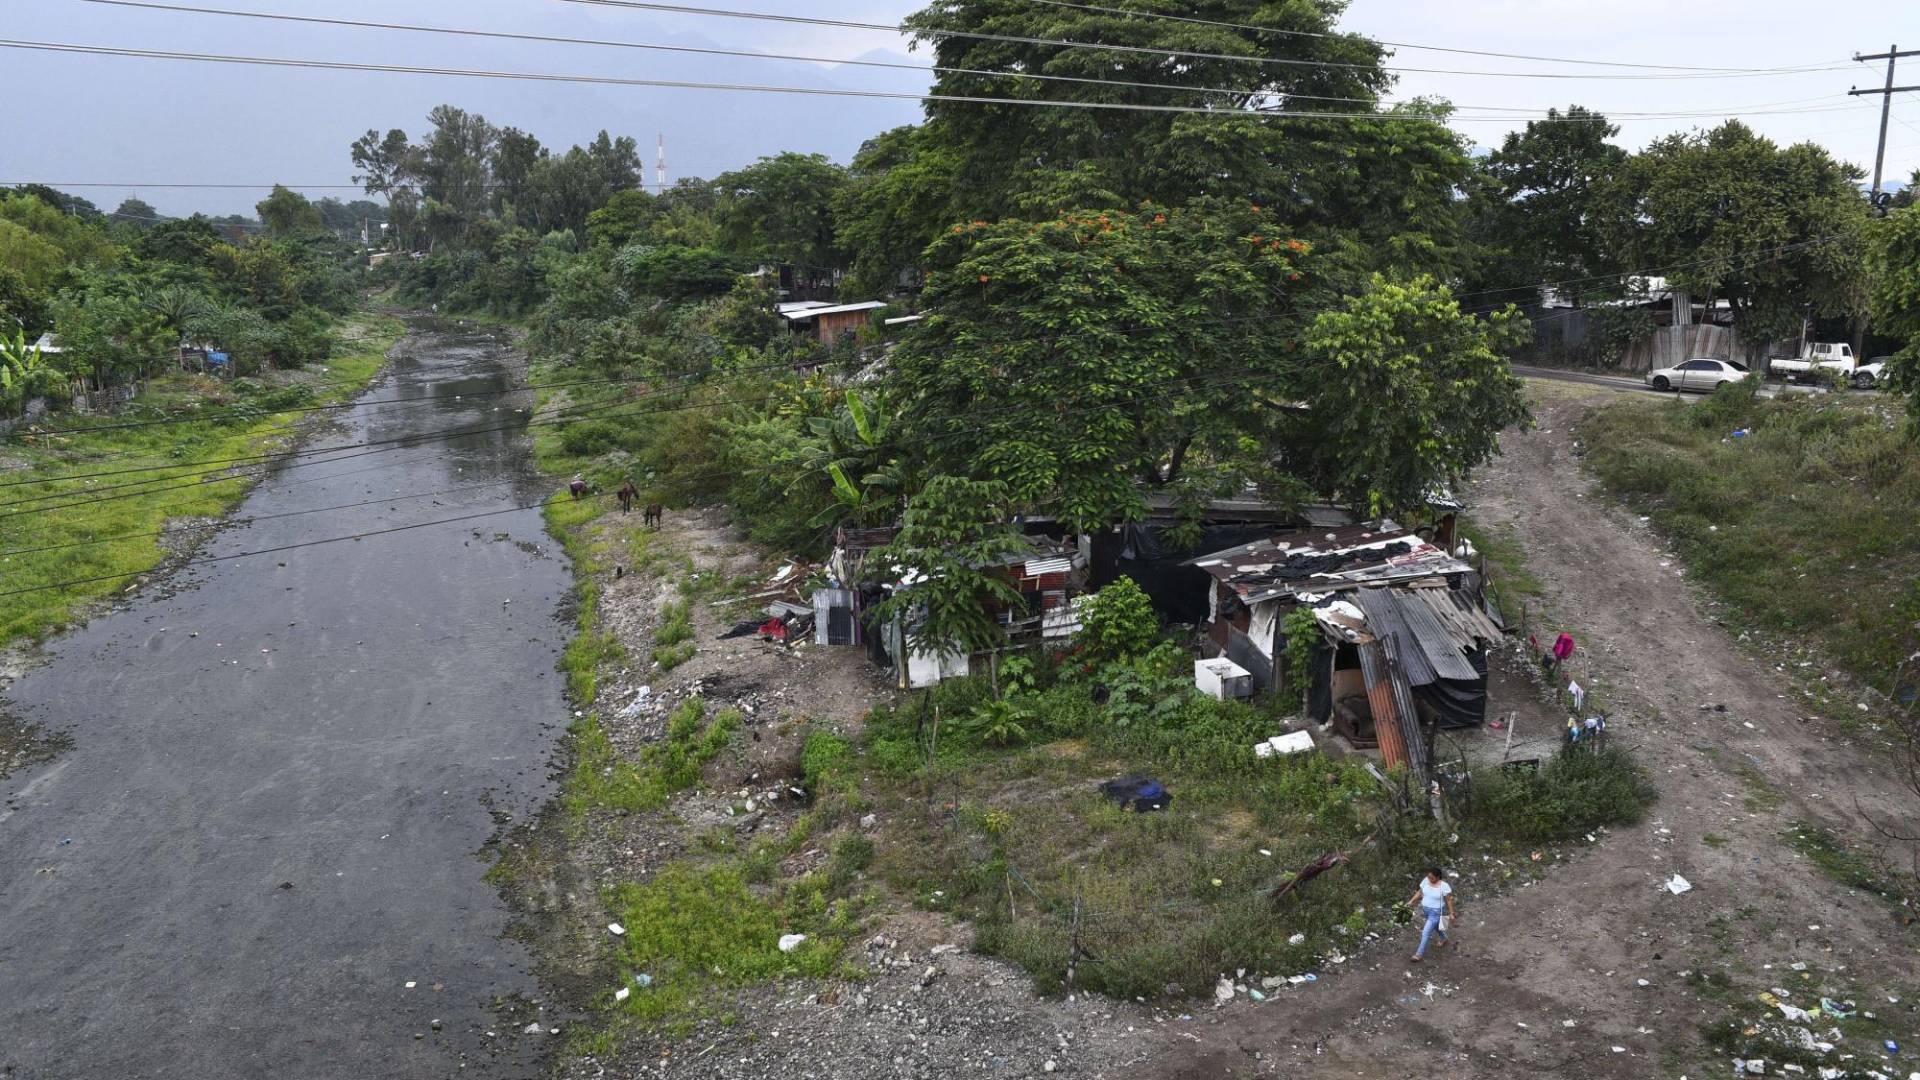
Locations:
(1432, 640)
(1386, 619)
(1464, 620)
(833, 309)
(1375, 673)
(1059, 564)
(1381, 552)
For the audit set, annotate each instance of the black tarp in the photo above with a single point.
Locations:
(1457, 703)
(1141, 552)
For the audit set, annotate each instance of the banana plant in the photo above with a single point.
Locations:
(18, 362)
(852, 449)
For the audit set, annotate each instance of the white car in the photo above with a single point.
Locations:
(1700, 374)
(1868, 375)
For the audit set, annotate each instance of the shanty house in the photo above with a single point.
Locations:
(827, 322)
(1401, 628)
(1049, 576)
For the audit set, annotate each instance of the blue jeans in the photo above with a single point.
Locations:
(1432, 927)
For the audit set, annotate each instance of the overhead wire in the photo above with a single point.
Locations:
(1238, 92)
(1019, 39)
(1393, 44)
(685, 84)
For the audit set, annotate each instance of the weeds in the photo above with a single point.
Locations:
(44, 544)
(673, 642)
(602, 778)
(1808, 528)
(692, 929)
(1574, 794)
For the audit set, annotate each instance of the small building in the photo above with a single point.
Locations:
(1050, 577)
(827, 322)
(1402, 629)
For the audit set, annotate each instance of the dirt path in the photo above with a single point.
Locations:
(1598, 971)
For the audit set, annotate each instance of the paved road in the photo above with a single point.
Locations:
(283, 768)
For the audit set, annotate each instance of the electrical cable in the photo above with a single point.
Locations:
(1394, 44)
(1016, 39)
(1241, 92)
(248, 519)
(679, 84)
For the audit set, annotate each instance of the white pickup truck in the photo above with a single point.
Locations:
(1818, 357)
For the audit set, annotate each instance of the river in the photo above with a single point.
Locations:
(260, 856)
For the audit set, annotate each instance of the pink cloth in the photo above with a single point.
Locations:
(1563, 647)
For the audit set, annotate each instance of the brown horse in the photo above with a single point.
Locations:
(654, 513)
(627, 494)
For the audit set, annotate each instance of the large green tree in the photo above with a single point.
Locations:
(1083, 358)
(1776, 231)
(1403, 392)
(1534, 203)
(287, 213)
(781, 208)
(1894, 265)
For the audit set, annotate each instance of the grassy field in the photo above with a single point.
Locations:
(57, 527)
(1807, 527)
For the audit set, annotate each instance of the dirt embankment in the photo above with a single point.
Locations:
(917, 1002)
(1599, 971)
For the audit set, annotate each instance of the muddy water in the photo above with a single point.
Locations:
(259, 856)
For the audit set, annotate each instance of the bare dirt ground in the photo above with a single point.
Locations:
(1599, 971)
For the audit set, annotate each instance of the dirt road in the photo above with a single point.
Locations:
(1599, 971)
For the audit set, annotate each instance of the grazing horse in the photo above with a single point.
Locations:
(653, 515)
(578, 487)
(627, 494)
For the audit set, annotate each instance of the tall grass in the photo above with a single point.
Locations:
(1807, 527)
(242, 423)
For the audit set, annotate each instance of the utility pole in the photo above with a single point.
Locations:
(1892, 54)
(660, 169)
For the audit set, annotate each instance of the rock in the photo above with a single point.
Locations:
(1049, 1066)
(790, 942)
(533, 1029)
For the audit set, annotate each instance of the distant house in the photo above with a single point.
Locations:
(1049, 575)
(48, 345)
(827, 322)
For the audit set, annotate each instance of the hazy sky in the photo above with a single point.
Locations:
(138, 124)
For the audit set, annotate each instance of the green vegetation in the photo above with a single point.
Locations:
(1575, 793)
(673, 641)
(604, 779)
(1807, 527)
(1038, 859)
(693, 929)
(1851, 866)
(49, 541)
(1511, 584)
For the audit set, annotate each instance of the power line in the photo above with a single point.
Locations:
(741, 53)
(918, 68)
(1016, 39)
(837, 92)
(1399, 44)
(248, 519)
(283, 548)
(244, 413)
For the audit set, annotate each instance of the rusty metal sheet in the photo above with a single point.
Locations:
(1376, 674)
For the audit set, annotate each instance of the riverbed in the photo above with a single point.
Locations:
(260, 853)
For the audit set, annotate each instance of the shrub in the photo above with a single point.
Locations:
(1574, 794)
(1118, 622)
(828, 764)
